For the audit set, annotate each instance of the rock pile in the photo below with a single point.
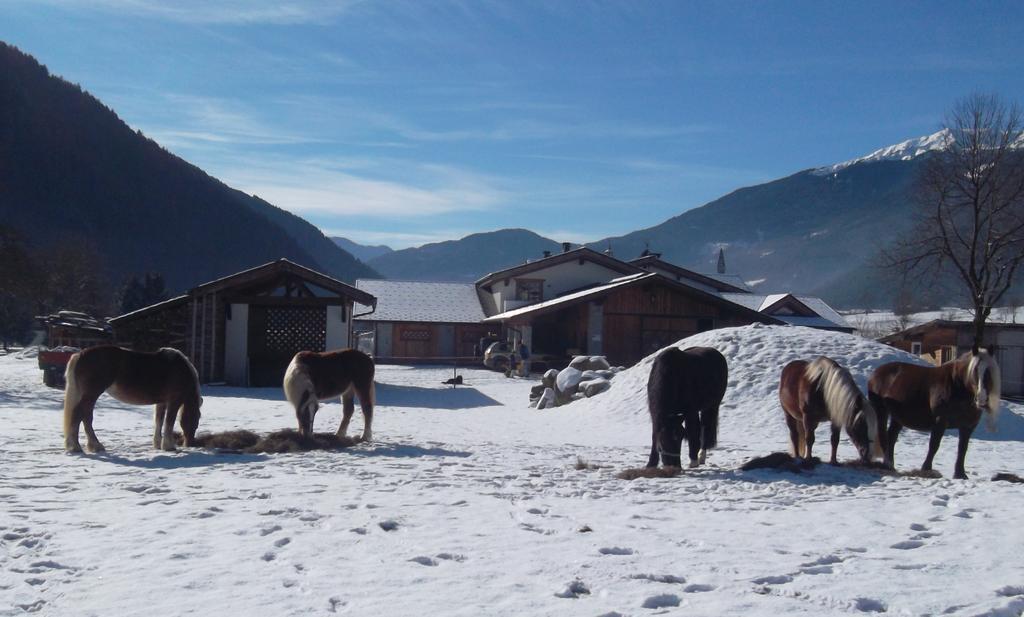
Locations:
(586, 376)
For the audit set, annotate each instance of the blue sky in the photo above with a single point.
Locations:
(409, 122)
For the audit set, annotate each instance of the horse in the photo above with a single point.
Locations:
(684, 392)
(926, 398)
(164, 378)
(819, 390)
(315, 376)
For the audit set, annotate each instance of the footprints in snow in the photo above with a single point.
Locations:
(437, 559)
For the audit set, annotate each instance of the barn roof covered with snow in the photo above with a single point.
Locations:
(795, 310)
(421, 301)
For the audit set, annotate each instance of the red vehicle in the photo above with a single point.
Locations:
(53, 363)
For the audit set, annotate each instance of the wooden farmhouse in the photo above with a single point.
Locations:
(417, 320)
(585, 302)
(942, 340)
(243, 329)
(624, 319)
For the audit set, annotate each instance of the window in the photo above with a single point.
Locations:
(948, 353)
(530, 290)
(915, 348)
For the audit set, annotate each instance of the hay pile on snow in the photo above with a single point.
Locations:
(756, 355)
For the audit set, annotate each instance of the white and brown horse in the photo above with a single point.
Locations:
(819, 390)
(933, 399)
(164, 378)
(315, 376)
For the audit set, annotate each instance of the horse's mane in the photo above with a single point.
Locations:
(842, 397)
(976, 363)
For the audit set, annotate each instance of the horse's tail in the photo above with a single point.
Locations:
(709, 425)
(661, 393)
(72, 396)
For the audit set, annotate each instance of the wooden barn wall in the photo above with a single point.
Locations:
(415, 340)
(640, 320)
(167, 328)
(424, 340)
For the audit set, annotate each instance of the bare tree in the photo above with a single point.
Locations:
(970, 217)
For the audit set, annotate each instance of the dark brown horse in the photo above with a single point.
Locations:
(684, 392)
(933, 399)
(164, 378)
(312, 377)
(819, 390)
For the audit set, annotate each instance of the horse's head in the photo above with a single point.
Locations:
(864, 431)
(190, 415)
(983, 380)
(305, 412)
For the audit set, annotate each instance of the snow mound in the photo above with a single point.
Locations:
(756, 355)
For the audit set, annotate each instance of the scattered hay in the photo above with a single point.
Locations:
(228, 440)
(649, 472)
(781, 461)
(278, 442)
(1008, 477)
(583, 465)
(290, 440)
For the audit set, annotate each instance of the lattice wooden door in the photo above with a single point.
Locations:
(276, 333)
(292, 329)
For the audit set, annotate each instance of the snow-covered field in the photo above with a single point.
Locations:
(471, 503)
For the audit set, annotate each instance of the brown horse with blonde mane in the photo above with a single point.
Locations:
(933, 399)
(164, 378)
(315, 376)
(819, 390)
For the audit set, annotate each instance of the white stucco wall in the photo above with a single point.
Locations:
(338, 331)
(236, 346)
(558, 279)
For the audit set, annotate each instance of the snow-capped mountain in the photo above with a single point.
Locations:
(903, 151)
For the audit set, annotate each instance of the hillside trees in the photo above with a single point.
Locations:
(970, 206)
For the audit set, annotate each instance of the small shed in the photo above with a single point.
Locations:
(243, 329)
(625, 319)
(421, 321)
(942, 340)
(807, 311)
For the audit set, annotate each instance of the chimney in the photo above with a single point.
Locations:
(547, 253)
(566, 247)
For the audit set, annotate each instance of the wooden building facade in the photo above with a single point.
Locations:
(243, 329)
(625, 319)
(421, 321)
(941, 340)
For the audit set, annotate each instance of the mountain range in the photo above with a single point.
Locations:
(813, 232)
(71, 170)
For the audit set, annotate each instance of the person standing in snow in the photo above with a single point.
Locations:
(524, 359)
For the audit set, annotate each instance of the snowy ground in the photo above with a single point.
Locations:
(470, 503)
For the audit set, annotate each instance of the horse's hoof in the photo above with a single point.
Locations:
(694, 463)
(96, 448)
(73, 450)
(168, 446)
(702, 457)
(960, 476)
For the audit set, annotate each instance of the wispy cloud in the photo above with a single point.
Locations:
(219, 11)
(325, 187)
(197, 121)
